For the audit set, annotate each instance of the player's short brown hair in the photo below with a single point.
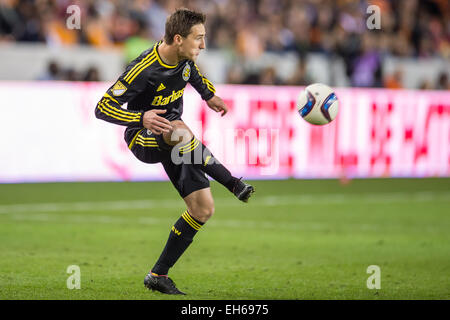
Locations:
(180, 22)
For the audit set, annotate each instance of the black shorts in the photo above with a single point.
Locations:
(151, 148)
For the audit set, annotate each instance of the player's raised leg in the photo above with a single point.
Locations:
(200, 207)
(189, 148)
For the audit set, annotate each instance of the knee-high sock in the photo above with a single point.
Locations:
(198, 154)
(180, 237)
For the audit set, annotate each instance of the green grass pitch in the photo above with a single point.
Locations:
(295, 239)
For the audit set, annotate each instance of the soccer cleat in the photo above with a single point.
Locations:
(242, 190)
(162, 284)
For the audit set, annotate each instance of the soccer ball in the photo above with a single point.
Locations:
(318, 104)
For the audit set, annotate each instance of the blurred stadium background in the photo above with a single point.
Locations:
(394, 122)
(249, 42)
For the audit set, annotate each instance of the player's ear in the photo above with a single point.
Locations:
(178, 39)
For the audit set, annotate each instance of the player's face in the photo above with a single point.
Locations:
(195, 41)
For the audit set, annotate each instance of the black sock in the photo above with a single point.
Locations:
(197, 153)
(180, 237)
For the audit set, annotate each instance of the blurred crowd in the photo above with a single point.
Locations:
(248, 29)
(55, 72)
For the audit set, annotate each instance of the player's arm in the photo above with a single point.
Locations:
(109, 108)
(207, 91)
(130, 84)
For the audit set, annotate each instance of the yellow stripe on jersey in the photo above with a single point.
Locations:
(195, 145)
(134, 139)
(107, 109)
(144, 66)
(146, 145)
(205, 81)
(208, 82)
(144, 138)
(159, 58)
(111, 112)
(104, 109)
(190, 221)
(101, 106)
(190, 144)
(209, 85)
(120, 112)
(146, 142)
(198, 70)
(133, 70)
(152, 142)
(106, 95)
(148, 57)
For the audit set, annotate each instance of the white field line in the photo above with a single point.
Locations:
(167, 222)
(51, 212)
(305, 199)
(227, 223)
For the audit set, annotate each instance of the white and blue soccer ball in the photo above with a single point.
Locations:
(318, 104)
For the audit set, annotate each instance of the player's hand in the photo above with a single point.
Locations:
(217, 104)
(155, 123)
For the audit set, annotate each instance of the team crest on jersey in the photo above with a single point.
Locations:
(186, 72)
(118, 89)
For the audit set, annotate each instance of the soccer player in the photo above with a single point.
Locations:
(153, 86)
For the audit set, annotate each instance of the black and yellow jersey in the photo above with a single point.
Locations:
(148, 83)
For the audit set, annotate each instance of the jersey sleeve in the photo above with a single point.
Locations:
(203, 86)
(129, 84)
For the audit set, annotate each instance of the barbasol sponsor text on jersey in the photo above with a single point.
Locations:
(162, 101)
